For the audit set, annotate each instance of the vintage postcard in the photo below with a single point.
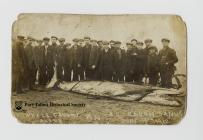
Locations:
(99, 69)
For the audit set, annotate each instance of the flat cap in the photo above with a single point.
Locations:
(117, 42)
(112, 41)
(93, 40)
(140, 43)
(61, 39)
(68, 44)
(46, 39)
(134, 40)
(129, 43)
(99, 41)
(153, 48)
(87, 37)
(80, 40)
(30, 38)
(39, 40)
(75, 40)
(20, 37)
(105, 43)
(165, 40)
(54, 37)
(148, 40)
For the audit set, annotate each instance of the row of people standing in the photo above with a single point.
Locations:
(90, 59)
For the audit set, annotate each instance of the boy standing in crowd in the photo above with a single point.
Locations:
(153, 66)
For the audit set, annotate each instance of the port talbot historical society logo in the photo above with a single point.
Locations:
(19, 106)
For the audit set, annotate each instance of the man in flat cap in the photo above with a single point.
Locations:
(119, 59)
(42, 57)
(68, 58)
(60, 58)
(106, 63)
(77, 58)
(100, 44)
(18, 64)
(167, 58)
(93, 60)
(80, 50)
(100, 49)
(25, 80)
(54, 44)
(81, 42)
(37, 55)
(130, 62)
(112, 43)
(51, 58)
(86, 53)
(31, 63)
(112, 46)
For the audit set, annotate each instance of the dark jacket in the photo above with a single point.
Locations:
(61, 55)
(41, 55)
(50, 56)
(106, 62)
(68, 58)
(130, 61)
(18, 58)
(86, 54)
(140, 60)
(167, 58)
(153, 66)
(30, 56)
(119, 60)
(94, 56)
(36, 55)
(77, 56)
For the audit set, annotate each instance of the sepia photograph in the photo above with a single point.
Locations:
(99, 69)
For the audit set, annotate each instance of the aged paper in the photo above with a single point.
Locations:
(117, 69)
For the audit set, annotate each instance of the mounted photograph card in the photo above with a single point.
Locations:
(99, 69)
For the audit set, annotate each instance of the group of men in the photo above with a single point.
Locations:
(89, 59)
